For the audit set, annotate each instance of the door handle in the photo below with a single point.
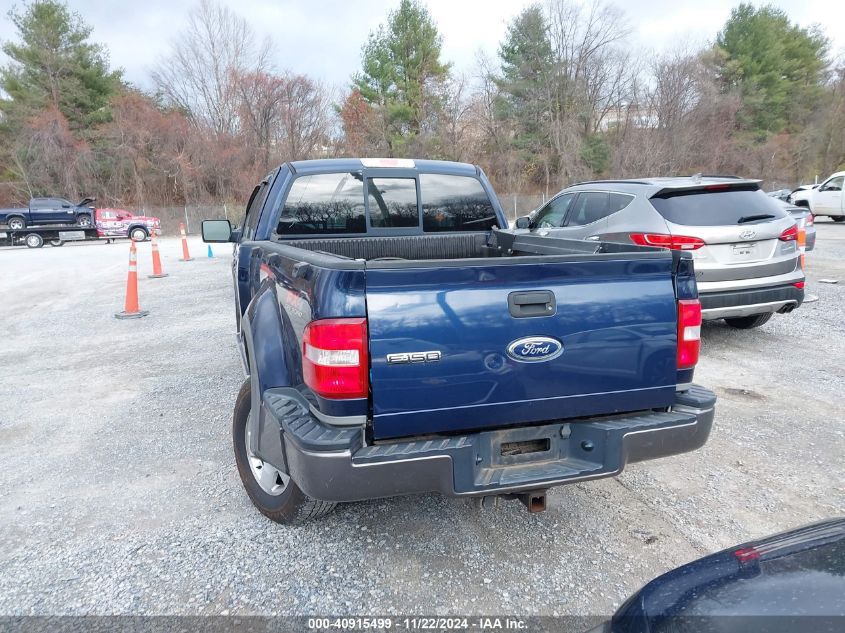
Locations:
(533, 303)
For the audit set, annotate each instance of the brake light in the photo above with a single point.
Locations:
(799, 285)
(746, 554)
(689, 332)
(790, 234)
(334, 358)
(674, 242)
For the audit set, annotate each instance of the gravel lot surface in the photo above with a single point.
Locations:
(119, 494)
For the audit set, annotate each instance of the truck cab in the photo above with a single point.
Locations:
(828, 199)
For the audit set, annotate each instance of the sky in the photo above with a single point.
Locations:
(323, 38)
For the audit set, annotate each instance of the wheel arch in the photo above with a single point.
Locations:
(267, 344)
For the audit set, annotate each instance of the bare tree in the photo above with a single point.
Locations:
(305, 117)
(200, 74)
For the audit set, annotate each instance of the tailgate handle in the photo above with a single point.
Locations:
(535, 303)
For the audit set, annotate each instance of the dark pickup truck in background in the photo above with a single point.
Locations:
(49, 211)
(397, 341)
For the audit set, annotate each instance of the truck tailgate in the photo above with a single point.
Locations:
(464, 346)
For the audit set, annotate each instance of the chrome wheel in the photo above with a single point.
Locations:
(84, 221)
(16, 224)
(139, 235)
(271, 480)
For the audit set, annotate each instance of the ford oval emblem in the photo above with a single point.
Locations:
(535, 349)
(748, 235)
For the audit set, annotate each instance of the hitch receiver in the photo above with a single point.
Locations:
(535, 500)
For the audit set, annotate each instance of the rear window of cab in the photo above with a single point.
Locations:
(338, 203)
(718, 206)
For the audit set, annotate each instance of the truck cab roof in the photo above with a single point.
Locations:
(327, 165)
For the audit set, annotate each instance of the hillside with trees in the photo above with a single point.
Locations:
(565, 97)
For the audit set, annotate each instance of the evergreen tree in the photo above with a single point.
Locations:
(525, 95)
(777, 67)
(55, 65)
(402, 75)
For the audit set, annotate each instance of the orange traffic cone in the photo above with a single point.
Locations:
(186, 256)
(131, 310)
(157, 273)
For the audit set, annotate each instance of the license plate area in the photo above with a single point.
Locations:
(743, 252)
(510, 447)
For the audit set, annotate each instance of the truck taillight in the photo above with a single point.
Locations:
(334, 358)
(689, 332)
(674, 242)
(790, 234)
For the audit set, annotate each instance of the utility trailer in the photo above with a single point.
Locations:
(37, 236)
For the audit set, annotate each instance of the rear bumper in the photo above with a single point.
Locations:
(332, 464)
(740, 303)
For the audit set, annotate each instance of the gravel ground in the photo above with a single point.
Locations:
(119, 494)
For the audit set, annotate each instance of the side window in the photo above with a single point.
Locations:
(41, 203)
(253, 210)
(455, 203)
(834, 184)
(323, 204)
(392, 202)
(593, 206)
(551, 216)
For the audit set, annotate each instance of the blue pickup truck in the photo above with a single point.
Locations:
(43, 211)
(398, 339)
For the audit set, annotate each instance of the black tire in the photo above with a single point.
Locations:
(33, 240)
(138, 234)
(83, 220)
(290, 507)
(749, 322)
(16, 224)
(838, 218)
(56, 243)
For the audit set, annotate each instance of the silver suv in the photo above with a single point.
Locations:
(743, 242)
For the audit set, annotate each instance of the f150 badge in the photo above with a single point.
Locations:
(413, 357)
(535, 349)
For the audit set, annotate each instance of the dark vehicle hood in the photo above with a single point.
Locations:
(86, 201)
(786, 577)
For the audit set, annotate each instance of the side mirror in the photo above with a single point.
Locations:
(216, 231)
(523, 223)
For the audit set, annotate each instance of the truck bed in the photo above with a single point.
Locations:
(458, 246)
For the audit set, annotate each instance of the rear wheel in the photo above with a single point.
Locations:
(56, 243)
(749, 322)
(83, 220)
(138, 234)
(838, 218)
(270, 489)
(33, 240)
(16, 224)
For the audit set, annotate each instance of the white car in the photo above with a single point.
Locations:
(827, 199)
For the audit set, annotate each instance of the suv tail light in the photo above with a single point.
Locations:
(334, 358)
(674, 242)
(689, 332)
(790, 234)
